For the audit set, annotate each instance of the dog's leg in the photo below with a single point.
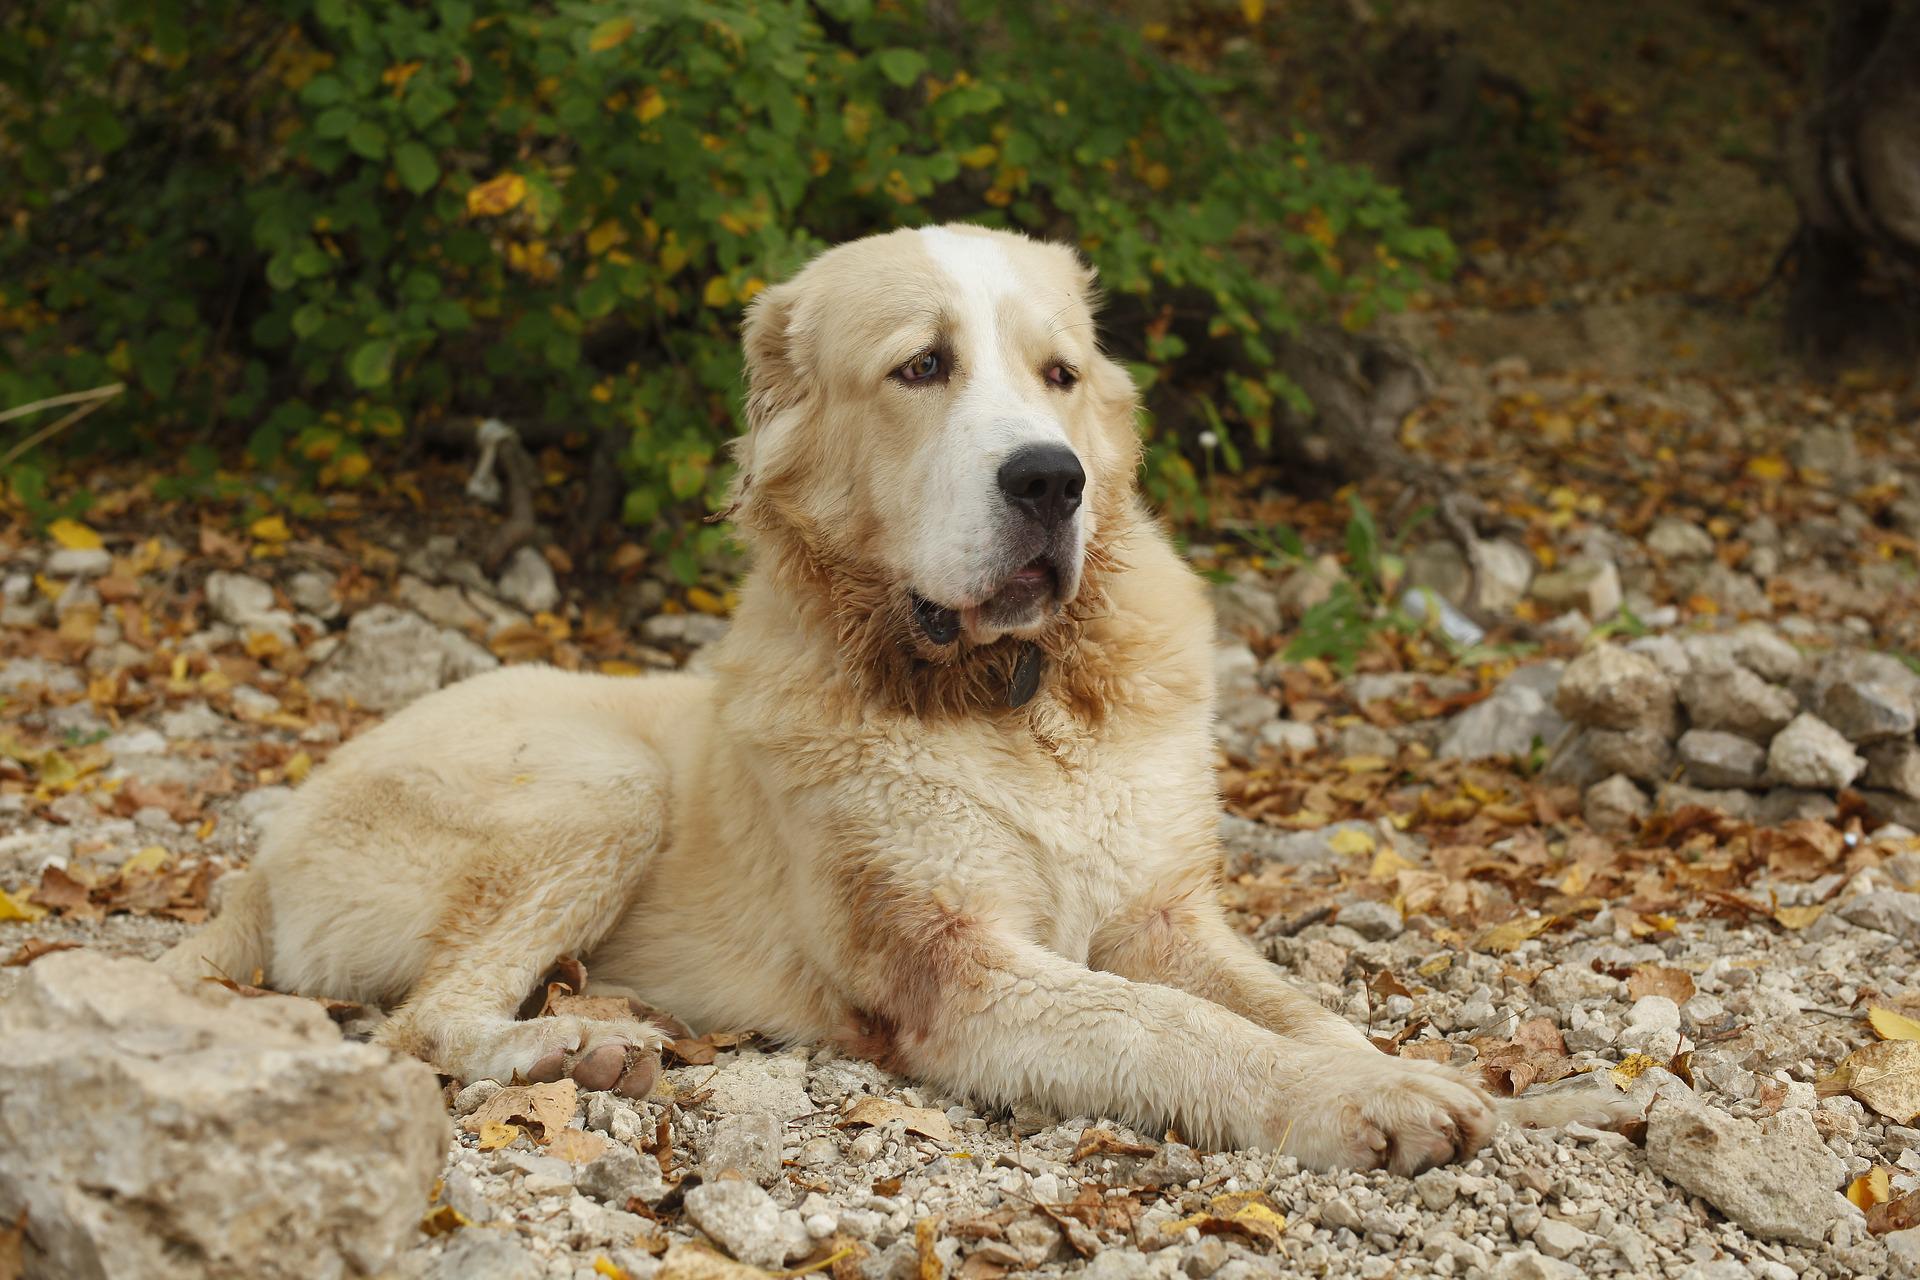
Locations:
(506, 922)
(980, 1011)
(1179, 936)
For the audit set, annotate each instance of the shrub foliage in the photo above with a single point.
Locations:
(314, 223)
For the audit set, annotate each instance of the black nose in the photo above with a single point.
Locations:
(1045, 481)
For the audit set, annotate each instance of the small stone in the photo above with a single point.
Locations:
(1885, 910)
(1736, 700)
(1437, 1188)
(1777, 1184)
(472, 1097)
(1676, 796)
(1765, 652)
(1677, 539)
(1792, 804)
(1810, 753)
(78, 562)
(1246, 604)
(393, 656)
(1867, 697)
(238, 599)
(528, 581)
(1527, 1264)
(1645, 755)
(1289, 737)
(1365, 740)
(1610, 687)
(1653, 1027)
(1593, 587)
(1559, 1239)
(1374, 921)
(312, 592)
(1713, 758)
(1308, 586)
(1174, 1165)
(744, 1220)
(1510, 722)
(1504, 570)
(748, 1144)
(1894, 766)
(486, 1255)
(1615, 805)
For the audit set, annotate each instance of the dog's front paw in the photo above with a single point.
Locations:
(595, 1053)
(1369, 1111)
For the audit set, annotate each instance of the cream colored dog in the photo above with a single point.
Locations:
(947, 800)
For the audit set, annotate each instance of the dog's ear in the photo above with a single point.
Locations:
(776, 384)
(1116, 401)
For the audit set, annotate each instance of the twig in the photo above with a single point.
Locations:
(93, 400)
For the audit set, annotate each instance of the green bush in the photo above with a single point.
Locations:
(315, 223)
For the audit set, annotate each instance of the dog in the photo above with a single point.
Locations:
(946, 800)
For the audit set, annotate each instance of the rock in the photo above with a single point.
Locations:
(1241, 704)
(78, 562)
(1765, 652)
(1526, 1264)
(1437, 1188)
(1675, 796)
(1246, 604)
(694, 630)
(1365, 740)
(1868, 697)
(1777, 1184)
(486, 1255)
(1894, 766)
(238, 599)
(618, 1174)
(1738, 595)
(1891, 806)
(1374, 921)
(393, 656)
(744, 1220)
(1614, 806)
(1675, 539)
(1559, 1239)
(1504, 570)
(1261, 843)
(157, 1130)
(1667, 653)
(1828, 452)
(1811, 753)
(312, 592)
(1903, 1247)
(1572, 763)
(1591, 586)
(1610, 687)
(1173, 1165)
(1791, 804)
(747, 1144)
(1885, 910)
(1736, 700)
(1511, 721)
(1289, 737)
(771, 1084)
(1713, 758)
(528, 581)
(1653, 1027)
(1308, 586)
(1645, 755)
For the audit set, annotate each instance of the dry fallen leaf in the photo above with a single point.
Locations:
(1657, 980)
(1100, 1142)
(1631, 1068)
(1885, 1076)
(1798, 917)
(577, 1146)
(1251, 1215)
(494, 1135)
(444, 1220)
(1895, 1215)
(924, 1121)
(1870, 1188)
(12, 908)
(1502, 938)
(1889, 1025)
(13, 1248)
(548, 1105)
(32, 949)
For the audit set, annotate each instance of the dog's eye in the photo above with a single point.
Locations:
(920, 368)
(1062, 375)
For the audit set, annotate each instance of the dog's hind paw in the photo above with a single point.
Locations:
(596, 1053)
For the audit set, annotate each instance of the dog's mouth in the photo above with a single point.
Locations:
(1021, 600)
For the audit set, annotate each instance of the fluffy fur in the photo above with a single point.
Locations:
(846, 834)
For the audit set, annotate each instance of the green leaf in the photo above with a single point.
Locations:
(369, 139)
(372, 363)
(902, 66)
(416, 166)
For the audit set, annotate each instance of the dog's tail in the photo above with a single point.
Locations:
(235, 944)
(1597, 1108)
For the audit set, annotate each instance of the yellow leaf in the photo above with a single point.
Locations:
(1769, 467)
(151, 858)
(494, 1135)
(496, 196)
(604, 237)
(605, 1266)
(718, 292)
(1631, 1068)
(705, 601)
(1889, 1025)
(1253, 10)
(621, 667)
(609, 33)
(651, 105)
(444, 1220)
(1798, 917)
(12, 908)
(1503, 938)
(1351, 840)
(577, 1146)
(1365, 764)
(1435, 967)
(1387, 864)
(270, 529)
(299, 765)
(73, 535)
(979, 157)
(1870, 1188)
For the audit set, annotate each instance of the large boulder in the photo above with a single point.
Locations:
(156, 1130)
(393, 656)
(1777, 1182)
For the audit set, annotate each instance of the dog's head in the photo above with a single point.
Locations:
(929, 411)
